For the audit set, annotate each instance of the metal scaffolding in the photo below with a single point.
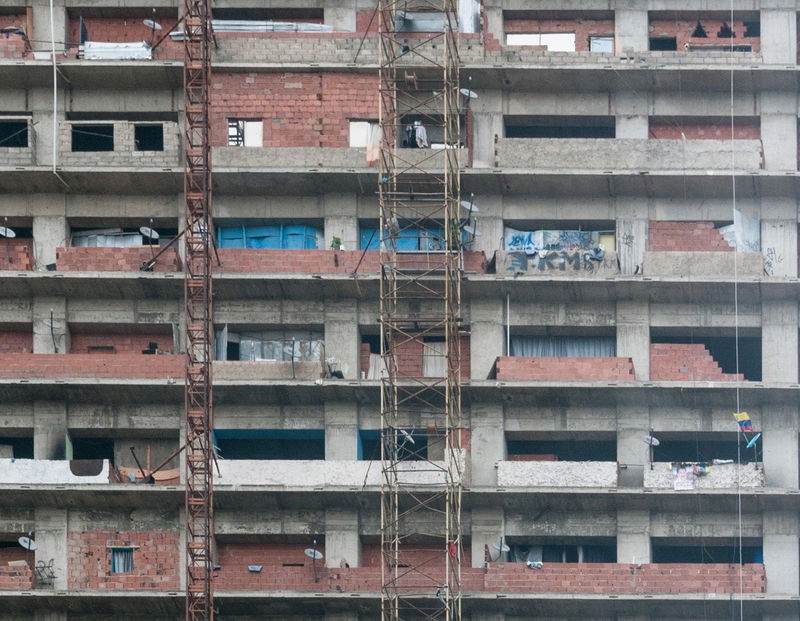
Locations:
(420, 310)
(198, 312)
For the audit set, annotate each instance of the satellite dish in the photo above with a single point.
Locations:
(468, 93)
(152, 24)
(408, 436)
(27, 543)
(313, 554)
(470, 230)
(652, 441)
(469, 206)
(11, 30)
(148, 232)
(752, 442)
(7, 232)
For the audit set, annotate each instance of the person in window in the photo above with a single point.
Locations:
(421, 135)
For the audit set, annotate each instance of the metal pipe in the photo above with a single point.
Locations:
(508, 324)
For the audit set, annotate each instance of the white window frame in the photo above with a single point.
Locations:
(251, 129)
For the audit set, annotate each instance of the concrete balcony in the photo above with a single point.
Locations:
(687, 265)
(52, 472)
(125, 151)
(722, 476)
(246, 371)
(557, 474)
(613, 154)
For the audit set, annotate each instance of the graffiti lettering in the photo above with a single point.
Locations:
(771, 260)
(577, 263)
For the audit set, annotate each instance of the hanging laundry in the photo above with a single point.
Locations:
(743, 418)
(421, 134)
(685, 474)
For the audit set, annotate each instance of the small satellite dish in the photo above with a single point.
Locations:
(27, 543)
(468, 93)
(469, 206)
(148, 232)
(11, 29)
(313, 554)
(7, 232)
(408, 436)
(152, 24)
(752, 442)
(470, 230)
(652, 441)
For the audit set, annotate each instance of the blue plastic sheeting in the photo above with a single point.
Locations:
(271, 237)
(410, 239)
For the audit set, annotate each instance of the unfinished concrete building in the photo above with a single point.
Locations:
(630, 281)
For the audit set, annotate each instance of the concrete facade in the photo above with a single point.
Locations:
(568, 362)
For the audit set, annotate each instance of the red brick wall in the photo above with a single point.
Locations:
(16, 553)
(122, 343)
(16, 578)
(410, 358)
(749, 130)
(563, 369)
(682, 30)
(371, 555)
(15, 253)
(81, 259)
(12, 45)
(127, 30)
(298, 109)
(91, 365)
(15, 342)
(331, 261)
(685, 362)
(155, 562)
(583, 28)
(665, 236)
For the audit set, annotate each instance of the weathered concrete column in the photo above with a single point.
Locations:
(342, 540)
(488, 526)
(780, 445)
(779, 236)
(487, 341)
(633, 335)
(50, 331)
(49, 233)
(494, 19)
(40, 37)
(631, 26)
(488, 443)
(782, 552)
(341, 431)
(633, 536)
(633, 424)
(487, 115)
(779, 33)
(631, 113)
(341, 14)
(49, 429)
(344, 221)
(341, 335)
(632, 215)
(41, 106)
(51, 540)
(778, 120)
(779, 341)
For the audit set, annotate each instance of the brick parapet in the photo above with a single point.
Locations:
(563, 369)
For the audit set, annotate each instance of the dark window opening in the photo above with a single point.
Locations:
(723, 351)
(559, 127)
(699, 32)
(724, 554)
(412, 445)
(562, 553)
(92, 138)
(101, 349)
(663, 44)
(700, 449)
(149, 137)
(374, 342)
(270, 444)
(93, 448)
(232, 352)
(752, 29)
(562, 450)
(13, 134)
(725, 32)
(21, 448)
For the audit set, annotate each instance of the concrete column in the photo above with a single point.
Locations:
(632, 30)
(51, 540)
(779, 120)
(781, 552)
(487, 340)
(40, 38)
(490, 223)
(633, 536)
(49, 429)
(50, 331)
(488, 526)
(49, 233)
(779, 34)
(631, 110)
(779, 237)
(487, 115)
(341, 431)
(488, 443)
(633, 335)
(341, 220)
(41, 105)
(341, 335)
(633, 424)
(342, 538)
(341, 14)
(779, 341)
(494, 20)
(780, 445)
(631, 234)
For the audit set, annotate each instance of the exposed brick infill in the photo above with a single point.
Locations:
(16, 342)
(666, 236)
(686, 362)
(76, 366)
(82, 259)
(563, 369)
(16, 578)
(16, 254)
(81, 343)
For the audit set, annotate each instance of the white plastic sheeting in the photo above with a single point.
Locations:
(46, 471)
(252, 25)
(102, 50)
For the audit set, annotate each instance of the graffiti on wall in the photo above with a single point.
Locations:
(578, 263)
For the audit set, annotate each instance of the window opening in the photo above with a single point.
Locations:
(122, 560)
(699, 32)
(663, 44)
(725, 32)
(270, 444)
(149, 137)
(13, 134)
(245, 133)
(92, 138)
(553, 41)
(601, 44)
(360, 132)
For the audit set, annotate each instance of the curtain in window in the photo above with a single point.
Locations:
(434, 362)
(121, 560)
(564, 346)
(299, 347)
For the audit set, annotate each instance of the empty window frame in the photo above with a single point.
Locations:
(603, 44)
(718, 550)
(21, 447)
(121, 559)
(663, 44)
(149, 137)
(93, 448)
(270, 237)
(269, 345)
(723, 351)
(87, 138)
(524, 446)
(412, 445)
(361, 132)
(553, 41)
(270, 444)
(14, 134)
(245, 132)
(704, 447)
(560, 553)
(557, 126)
